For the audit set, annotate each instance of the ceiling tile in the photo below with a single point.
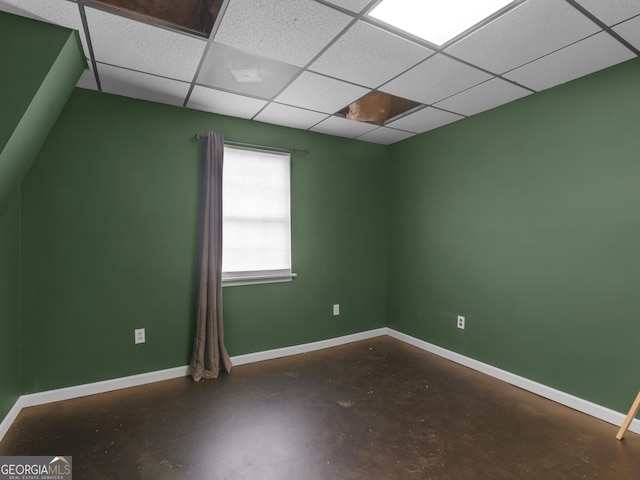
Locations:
(289, 116)
(292, 31)
(234, 70)
(60, 12)
(483, 97)
(426, 119)
(369, 56)
(434, 79)
(611, 12)
(355, 6)
(342, 127)
(323, 94)
(385, 136)
(138, 46)
(224, 103)
(130, 83)
(527, 32)
(582, 58)
(630, 31)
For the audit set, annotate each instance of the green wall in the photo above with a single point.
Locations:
(32, 93)
(109, 214)
(40, 65)
(10, 306)
(525, 219)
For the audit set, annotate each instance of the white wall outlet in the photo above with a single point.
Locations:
(336, 309)
(461, 322)
(138, 335)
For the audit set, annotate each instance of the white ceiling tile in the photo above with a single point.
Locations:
(130, 83)
(292, 31)
(529, 31)
(59, 12)
(483, 97)
(231, 69)
(342, 127)
(323, 94)
(611, 12)
(423, 120)
(87, 80)
(630, 31)
(582, 58)
(369, 56)
(224, 103)
(385, 136)
(138, 46)
(355, 6)
(289, 116)
(434, 79)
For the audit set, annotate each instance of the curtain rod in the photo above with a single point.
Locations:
(304, 151)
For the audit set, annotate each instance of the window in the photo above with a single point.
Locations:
(256, 238)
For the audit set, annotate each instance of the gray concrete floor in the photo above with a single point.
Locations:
(376, 409)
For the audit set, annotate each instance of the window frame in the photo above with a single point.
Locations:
(258, 277)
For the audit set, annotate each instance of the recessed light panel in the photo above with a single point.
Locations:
(230, 69)
(436, 21)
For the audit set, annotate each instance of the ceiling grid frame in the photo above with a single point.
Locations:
(608, 19)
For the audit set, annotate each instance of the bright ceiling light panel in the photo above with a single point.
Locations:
(436, 21)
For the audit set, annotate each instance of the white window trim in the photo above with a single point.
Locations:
(235, 279)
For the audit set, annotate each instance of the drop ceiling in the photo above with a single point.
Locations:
(299, 63)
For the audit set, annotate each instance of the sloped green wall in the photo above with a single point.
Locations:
(41, 64)
(109, 242)
(525, 219)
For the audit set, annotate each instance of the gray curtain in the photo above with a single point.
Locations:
(208, 346)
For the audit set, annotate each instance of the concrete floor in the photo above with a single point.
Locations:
(376, 409)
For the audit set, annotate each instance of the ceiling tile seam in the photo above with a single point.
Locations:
(603, 25)
(87, 34)
(383, 127)
(193, 82)
(212, 34)
(318, 123)
(624, 21)
(551, 53)
(398, 75)
(341, 9)
(488, 72)
(411, 111)
(305, 68)
(98, 63)
(449, 111)
(433, 105)
(483, 23)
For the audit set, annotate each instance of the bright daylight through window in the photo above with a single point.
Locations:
(256, 207)
(436, 21)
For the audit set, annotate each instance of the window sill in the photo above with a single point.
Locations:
(236, 281)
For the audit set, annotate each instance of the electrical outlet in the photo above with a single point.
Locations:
(336, 309)
(139, 335)
(461, 322)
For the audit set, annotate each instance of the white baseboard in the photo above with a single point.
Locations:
(306, 347)
(10, 418)
(576, 403)
(571, 401)
(68, 393)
